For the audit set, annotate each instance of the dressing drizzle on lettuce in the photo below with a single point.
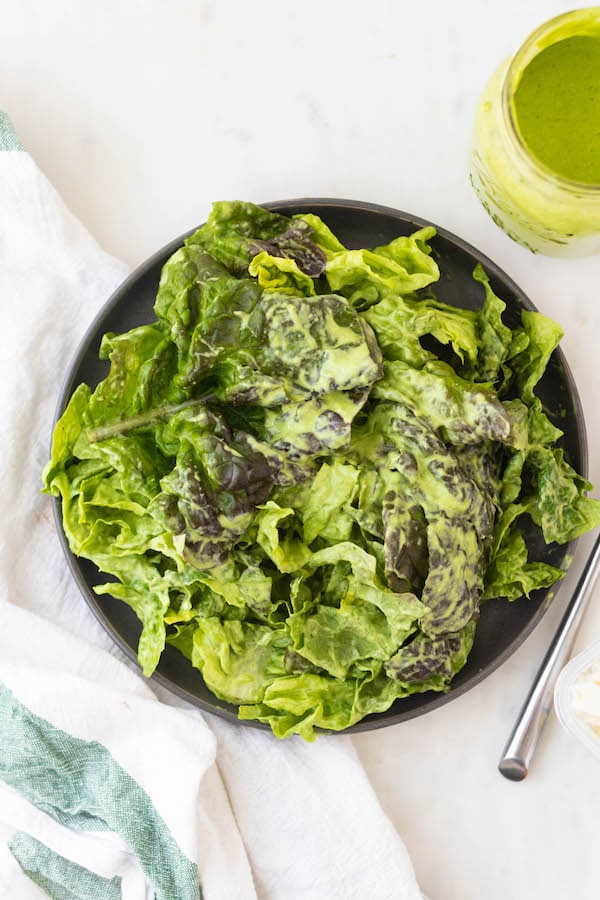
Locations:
(285, 483)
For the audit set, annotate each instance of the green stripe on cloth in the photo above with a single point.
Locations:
(8, 137)
(83, 787)
(61, 878)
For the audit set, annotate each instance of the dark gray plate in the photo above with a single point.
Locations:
(503, 626)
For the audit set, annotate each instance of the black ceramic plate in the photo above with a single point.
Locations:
(502, 626)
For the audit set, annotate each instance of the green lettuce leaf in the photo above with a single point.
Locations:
(326, 508)
(511, 575)
(288, 552)
(400, 322)
(530, 364)
(560, 506)
(495, 339)
(281, 275)
(425, 657)
(365, 276)
(238, 660)
(231, 230)
(462, 413)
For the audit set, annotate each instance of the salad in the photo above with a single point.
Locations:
(308, 473)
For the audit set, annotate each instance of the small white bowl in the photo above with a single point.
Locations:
(577, 697)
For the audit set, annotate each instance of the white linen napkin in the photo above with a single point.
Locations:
(109, 787)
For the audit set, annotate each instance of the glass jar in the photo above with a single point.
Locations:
(535, 206)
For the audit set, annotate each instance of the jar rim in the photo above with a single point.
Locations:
(550, 32)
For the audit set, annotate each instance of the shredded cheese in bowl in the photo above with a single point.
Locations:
(577, 697)
(585, 696)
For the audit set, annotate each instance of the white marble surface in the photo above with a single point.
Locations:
(142, 113)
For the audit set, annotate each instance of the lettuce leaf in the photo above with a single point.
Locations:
(231, 229)
(281, 275)
(364, 276)
(400, 322)
(296, 245)
(463, 413)
(326, 508)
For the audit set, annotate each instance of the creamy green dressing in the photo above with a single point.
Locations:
(557, 107)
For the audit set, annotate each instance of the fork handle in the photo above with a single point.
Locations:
(525, 735)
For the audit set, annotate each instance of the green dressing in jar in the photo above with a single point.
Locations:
(536, 159)
(557, 108)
